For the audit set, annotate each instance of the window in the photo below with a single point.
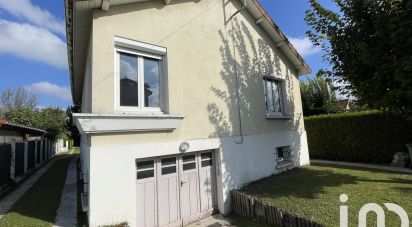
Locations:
(145, 169)
(274, 96)
(206, 159)
(189, 162)
(168, 165)
(283, 154)
(140, 79)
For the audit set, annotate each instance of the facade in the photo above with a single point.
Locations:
(181, 102)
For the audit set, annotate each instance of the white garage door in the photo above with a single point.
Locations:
(175, 190)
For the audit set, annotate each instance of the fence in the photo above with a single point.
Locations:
(248, 207)
(5, 162)
(17, 159)
(31, 152)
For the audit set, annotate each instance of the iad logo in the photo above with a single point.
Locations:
(372, 207)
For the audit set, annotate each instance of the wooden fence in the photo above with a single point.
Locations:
(248, 207)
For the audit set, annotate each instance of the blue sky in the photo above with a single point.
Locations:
(33, 50)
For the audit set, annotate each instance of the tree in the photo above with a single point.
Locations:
(53, 120)
(318, 96)
(17, 98)
(70, 127)
(368, 44)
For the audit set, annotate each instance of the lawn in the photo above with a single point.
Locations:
(313, 192)
(38, 206)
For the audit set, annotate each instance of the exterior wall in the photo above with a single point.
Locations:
(85, 163)
(6, 136)
(87, 85)
(200, 68)
(114, 171)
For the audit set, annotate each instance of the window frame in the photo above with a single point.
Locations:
(273, 78)
(141, 51)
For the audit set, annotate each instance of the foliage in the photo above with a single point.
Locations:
(313, 192)
(52, 119)
(318, 96)
(368, 137)
(70, 127)
(19, 105)
(17, 98)
(368, 44)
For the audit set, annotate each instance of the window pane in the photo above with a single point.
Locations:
(169, 161)
(207, 162)
(151, 82)
(145, 164)
(189, 158)
(189, 166)
(145, 174)
(128, 80)
(168, 170)
(206, 155)
(269, 97)
(277, 107)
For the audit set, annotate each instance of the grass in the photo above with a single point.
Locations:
(38, 206)
(313, 192)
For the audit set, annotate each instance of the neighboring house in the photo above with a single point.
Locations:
(62, 145)
(346, 105)
(10, 131)
(181, 102)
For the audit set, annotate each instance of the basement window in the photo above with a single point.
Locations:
(283, 154)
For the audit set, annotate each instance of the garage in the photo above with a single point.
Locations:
(175, 190)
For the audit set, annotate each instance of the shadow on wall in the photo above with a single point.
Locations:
(245, 60)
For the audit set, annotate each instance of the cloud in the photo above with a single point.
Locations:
(47, 88)
(32, 42)
(304, 46)
(33, 14)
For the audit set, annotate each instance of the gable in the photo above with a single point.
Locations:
(79, 17)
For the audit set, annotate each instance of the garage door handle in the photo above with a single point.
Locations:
(182, 183)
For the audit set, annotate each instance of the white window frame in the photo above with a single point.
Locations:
(140, 50)
(281, 81)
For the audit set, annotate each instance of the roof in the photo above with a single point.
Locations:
(82, 8)
(14, 126)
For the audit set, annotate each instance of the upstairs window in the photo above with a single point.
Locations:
(140, 80)
(274, 96)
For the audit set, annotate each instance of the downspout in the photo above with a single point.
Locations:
(237, 74)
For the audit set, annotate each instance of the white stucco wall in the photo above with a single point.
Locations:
(113, 185)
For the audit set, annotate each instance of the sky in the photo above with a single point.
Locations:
(33, 45)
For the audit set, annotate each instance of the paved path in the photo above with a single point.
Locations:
(7, 202)
(216, 220)
(67, 212)
(369, 166)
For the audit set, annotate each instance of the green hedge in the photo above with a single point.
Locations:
(367, 137)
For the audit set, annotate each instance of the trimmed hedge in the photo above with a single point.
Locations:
(367, 137)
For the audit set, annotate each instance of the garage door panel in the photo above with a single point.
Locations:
(146, 204)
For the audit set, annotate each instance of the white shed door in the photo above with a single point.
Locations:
(168, 191)
(189, 186)
(146, 193)
(175, 190)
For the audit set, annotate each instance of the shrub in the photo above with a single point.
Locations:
(368, 137)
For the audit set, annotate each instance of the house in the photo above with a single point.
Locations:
(10, 131)
(346, 104)
(181, 102)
